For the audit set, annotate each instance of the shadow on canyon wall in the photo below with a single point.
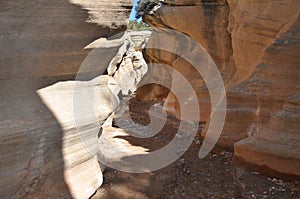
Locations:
(41, 43)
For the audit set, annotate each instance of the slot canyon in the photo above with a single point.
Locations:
(86, 102)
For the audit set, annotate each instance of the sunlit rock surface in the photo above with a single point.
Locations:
(128, 67)
(81, 107)
(42, 43)
(255, 45)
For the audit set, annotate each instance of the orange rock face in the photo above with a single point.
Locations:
(255, 45)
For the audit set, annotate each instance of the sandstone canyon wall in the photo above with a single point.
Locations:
(41, 43)
(255, 45)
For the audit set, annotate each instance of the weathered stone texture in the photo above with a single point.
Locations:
(41, 43)
(255, 45)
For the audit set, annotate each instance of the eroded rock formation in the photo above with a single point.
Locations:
(255, 45)
(41, 43)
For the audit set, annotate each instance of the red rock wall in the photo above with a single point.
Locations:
(255, 45)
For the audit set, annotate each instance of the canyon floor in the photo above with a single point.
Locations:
(189, 177)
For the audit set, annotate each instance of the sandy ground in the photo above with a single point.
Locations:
(189, 177)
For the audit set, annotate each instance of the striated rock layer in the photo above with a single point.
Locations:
(255, 45)
(41, 43)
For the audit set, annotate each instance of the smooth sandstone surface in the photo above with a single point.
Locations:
(255, 45)
(81, 107)
(43, 43)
